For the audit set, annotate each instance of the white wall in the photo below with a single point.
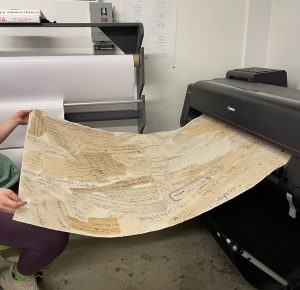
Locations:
(210, 40)
(284, 42)
(50, 41)
(272, 37)
(256, 34)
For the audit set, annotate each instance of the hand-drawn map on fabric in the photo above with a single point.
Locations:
(92, 182)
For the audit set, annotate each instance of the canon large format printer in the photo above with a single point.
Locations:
(260, 229)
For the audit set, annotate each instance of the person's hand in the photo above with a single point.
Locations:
(21, 117)
(9, 201)
(18, 118)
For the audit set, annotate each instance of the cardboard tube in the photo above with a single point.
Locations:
(136, 60)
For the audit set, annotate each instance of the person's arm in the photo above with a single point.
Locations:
(19, 118)
(9, 201)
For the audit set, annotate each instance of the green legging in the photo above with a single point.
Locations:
(3, 248)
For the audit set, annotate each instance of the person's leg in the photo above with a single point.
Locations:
(38, 246)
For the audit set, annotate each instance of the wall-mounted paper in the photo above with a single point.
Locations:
(159, 19)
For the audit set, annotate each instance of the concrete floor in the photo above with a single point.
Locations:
(184, 257)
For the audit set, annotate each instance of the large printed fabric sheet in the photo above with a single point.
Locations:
(92, 182)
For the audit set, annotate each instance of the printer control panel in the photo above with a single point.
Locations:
(103, 13)
(259, 75)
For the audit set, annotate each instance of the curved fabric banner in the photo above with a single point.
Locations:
(92, 182)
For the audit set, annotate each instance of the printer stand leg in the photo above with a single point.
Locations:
(264, 268)
(240, 251)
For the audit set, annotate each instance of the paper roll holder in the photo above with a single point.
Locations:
(128, 37)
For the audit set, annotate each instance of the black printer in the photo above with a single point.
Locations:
(260, 229)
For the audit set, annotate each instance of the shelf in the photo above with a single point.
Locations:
(127, 36)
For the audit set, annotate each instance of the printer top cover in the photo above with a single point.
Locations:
(268, 111)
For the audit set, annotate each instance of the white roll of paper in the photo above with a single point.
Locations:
(86, 78)
(50, 82)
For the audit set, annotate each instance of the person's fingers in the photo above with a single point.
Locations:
(10, 206)
(26, 114)
(8, 203)
(22, 116)
(8, 210)
(20, 204)
(9, 193)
